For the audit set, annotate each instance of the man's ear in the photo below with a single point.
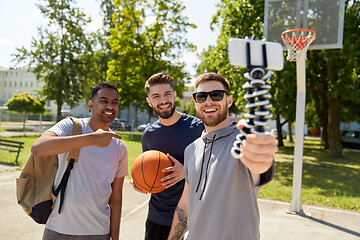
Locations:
(90, 103)
(229, 101)
(149, 102)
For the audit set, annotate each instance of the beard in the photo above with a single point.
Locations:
(213, 120)
(166, 114)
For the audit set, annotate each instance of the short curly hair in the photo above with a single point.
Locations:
(159, 78)
(102, 85)
(213, 77)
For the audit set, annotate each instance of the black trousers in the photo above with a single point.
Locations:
(154, 231)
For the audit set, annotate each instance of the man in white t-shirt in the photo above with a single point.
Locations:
(93, 199)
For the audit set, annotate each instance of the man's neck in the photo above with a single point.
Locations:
(95, 124)
(223, 124)
(171, 120)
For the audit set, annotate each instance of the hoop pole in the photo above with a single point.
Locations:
(296, 206)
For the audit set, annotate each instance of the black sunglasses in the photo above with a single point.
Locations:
(216, 95)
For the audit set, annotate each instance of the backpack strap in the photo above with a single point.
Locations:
(72, 158)
(76, 131)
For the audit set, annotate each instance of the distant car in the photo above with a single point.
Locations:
(350, 139)
(120, 125)
(142, 127)
(274, 132)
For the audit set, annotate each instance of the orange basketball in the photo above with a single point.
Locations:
(146, 171)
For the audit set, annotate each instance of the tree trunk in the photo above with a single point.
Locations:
(290, 132)
(128, 113)
(334, 128)
(60, 97)
(136, 115)
(58, 115)
(279, 131)
(325, 120)
(321, 107)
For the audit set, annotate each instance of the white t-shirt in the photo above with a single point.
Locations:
(85, 209)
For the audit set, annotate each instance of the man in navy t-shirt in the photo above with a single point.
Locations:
(170, 134)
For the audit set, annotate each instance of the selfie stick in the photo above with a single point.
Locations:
(256, 85)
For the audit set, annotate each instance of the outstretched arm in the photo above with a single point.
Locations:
(179, 223)
(51, 144)
(257, 153)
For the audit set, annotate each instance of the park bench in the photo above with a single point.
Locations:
(11, 146)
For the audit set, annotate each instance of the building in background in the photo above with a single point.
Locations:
(20, 80)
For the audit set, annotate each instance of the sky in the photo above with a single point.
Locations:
(19, 20)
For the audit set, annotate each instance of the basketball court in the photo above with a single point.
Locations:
(324, 223)
(325, 19)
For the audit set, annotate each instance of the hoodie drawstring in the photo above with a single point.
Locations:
(207, 167)
(202, 166)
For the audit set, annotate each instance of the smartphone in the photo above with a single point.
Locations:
(250, 53)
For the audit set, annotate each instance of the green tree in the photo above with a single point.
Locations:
(241, 19)
(189, 108)
(236, 19)
(283, 93)
(336, 80)
(147, 38)
(102, 54)
(332, 75)
(61, 55)
(24, 103)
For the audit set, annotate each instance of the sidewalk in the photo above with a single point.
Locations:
(19, 134)
(318, 223)
(276, 223)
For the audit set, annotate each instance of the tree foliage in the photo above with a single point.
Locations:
(24, 103)
(148, 37)
(189, 108)
(332, 75)
(242, 19)
(334, 84)
(60, 56)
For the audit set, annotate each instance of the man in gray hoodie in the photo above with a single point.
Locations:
(219, 200)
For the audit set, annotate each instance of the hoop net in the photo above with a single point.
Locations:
(297, 42)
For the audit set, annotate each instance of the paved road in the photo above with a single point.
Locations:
(15, 225)
(319, 223)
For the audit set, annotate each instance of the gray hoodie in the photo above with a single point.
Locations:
(222, 195)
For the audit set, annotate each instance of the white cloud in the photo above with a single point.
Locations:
(6, 42)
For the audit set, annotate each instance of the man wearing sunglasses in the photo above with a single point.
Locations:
(219, 200)
(170, 135)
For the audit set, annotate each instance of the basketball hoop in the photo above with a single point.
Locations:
(297, 41)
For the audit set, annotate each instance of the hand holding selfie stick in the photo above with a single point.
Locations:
(257, 57)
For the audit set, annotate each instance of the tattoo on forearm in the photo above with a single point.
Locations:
(181, 226)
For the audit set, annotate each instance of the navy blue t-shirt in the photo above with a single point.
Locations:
(173, 140)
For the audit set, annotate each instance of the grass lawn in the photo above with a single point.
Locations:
(331, 182)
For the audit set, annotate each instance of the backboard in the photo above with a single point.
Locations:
(326, 17)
